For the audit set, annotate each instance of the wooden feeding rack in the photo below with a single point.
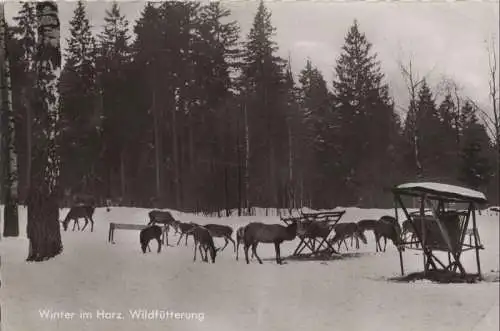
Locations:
(324, 220)
(443, 229)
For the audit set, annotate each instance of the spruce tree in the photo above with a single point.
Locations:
(475, 166)
(264, 87)
(148, 96)
(318, 118)
(119, 128)
(433, 153)
(80, 112)
(368, 126)
(24, 87)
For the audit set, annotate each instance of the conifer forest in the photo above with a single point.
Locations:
(180, 110)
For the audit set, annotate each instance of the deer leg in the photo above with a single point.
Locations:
(86, 223)
(385, 243)
(227, 241)
(91, 224)
(195, 244)
(159, 244)
(149, 248)
(254, 250)
(178, 241)
(234, 244)
(245, 248)
(237, 249)
(377, 243)
(187, 239)
(206, 253)
(201, 249)
(277, 250)
(75, 222)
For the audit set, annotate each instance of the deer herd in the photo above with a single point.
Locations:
(254, 233)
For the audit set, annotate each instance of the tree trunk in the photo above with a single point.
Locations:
(8, 153)
(29, 144)
(43, 227)
(123, 178)
(290, 196)
(158, 148)
(247, 159)
(175, 150)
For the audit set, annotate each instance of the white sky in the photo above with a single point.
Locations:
(442, 38)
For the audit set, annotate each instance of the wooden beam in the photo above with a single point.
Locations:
(474, 226)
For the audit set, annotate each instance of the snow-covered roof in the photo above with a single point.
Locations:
(453, 192)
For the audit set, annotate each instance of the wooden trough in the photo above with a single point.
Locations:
(444, 229)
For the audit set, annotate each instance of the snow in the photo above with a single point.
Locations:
(445, 188)
(352, 293)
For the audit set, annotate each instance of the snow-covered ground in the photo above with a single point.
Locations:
(353, 293)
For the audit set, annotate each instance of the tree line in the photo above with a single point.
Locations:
(179, 110)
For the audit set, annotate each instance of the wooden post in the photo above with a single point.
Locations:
(399, 248)
(422, 227)
(474, 225)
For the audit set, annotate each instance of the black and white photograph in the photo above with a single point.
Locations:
(250, 165)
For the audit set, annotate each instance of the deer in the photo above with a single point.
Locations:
(408, 229)
(184, 230)
(166, 219)
(76, 212)
(391, 220)
(348, 230)
(221, 231)
(203, 239)
(387, 230)
(257, 232)
(240, 234)
(163, 217)
(148, 233)
(367, 225)
(314, 229)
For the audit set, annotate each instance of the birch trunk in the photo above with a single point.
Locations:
(9, 158)
(43, 227)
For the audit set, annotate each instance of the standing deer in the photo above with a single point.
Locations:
(344, 231)
(164, 218)
(184, 230)
(151, 232)
(221, 231)
(240, 239)
(203, 239)
(387, 230)
(256, 233)
(391, 220)
(409, 230)
(81, 211)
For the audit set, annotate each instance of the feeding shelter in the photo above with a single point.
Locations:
(439, 227)
(325, 221)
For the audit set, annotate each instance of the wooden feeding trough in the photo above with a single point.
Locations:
(319, 226)
(441, 229)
